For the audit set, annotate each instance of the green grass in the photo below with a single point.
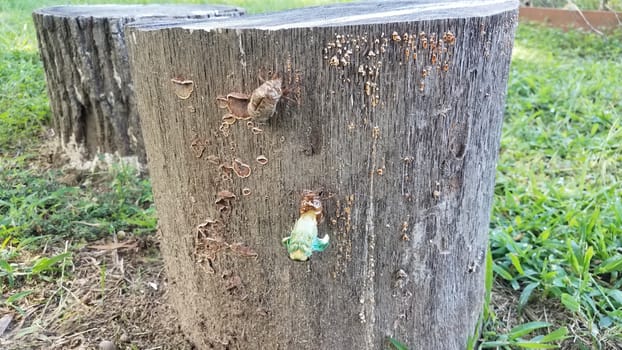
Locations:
(23, 103)
(33, 204)
(557, 217)
(556, 229)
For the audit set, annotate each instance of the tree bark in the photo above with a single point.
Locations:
(89, 85)
(392, 114)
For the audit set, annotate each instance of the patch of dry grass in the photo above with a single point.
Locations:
(116, 292)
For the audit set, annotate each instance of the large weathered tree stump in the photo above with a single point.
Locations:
(86, 65)
(391, 113)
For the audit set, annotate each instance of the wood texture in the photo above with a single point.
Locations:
(403, 151)
(87, 71)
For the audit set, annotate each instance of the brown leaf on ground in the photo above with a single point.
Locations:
(5, 321)
(114, 245)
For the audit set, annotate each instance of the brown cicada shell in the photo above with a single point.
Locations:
(311, 202)
(264, 99)
(260, 106)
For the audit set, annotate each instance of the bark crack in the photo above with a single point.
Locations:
(242, 52)
(368, 309)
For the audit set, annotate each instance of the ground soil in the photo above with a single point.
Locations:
(117, 292)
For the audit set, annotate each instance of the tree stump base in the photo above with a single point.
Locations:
(389, 112)
(86, 64)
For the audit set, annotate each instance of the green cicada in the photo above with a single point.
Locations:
(303, 240)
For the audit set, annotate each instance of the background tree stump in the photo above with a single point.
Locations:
(86, 65)
(393, 116)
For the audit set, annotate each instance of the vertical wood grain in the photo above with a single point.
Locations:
(406, 171)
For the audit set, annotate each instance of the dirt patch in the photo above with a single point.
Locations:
(116, 291)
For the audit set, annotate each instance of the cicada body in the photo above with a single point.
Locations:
(303, 240)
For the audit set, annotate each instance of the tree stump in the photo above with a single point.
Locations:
(387, 115)
(91, 95)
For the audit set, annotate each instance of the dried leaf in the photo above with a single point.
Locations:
(113, 246)
(5, 321)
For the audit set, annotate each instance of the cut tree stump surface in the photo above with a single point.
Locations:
(392, 114)
(87, 71)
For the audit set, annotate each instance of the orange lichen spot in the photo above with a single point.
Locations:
(225, 167)
(214, 159)
(182, 88)
(449, 38)
(198, 147)
(224, 195)
(375, 133)
(236, 103)
(369, 88)
(240, 169)
(228, 119)
(375, 100)
(404, 226)
(433, 41)
(261, 159)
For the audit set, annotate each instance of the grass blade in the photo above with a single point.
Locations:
(526, 328)
(396, 344)
(45, 263)
(612, 264)
(18, 296)
(557, 335)
(526, 294)
(570, 302)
